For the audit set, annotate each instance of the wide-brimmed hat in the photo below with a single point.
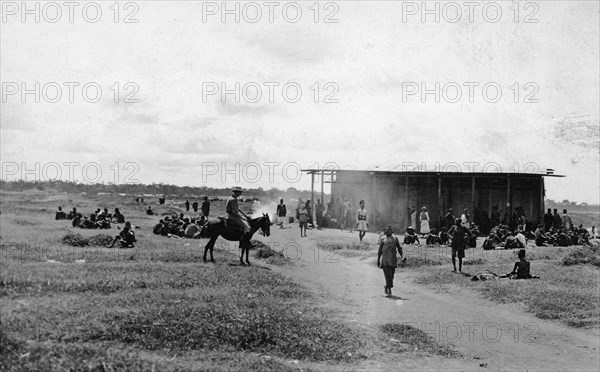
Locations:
(237, 189)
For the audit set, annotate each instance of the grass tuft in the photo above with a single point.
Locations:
(585, 255)
(412, 338)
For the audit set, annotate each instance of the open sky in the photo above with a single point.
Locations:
(368, 60)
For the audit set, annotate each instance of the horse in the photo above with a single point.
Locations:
(219, 226)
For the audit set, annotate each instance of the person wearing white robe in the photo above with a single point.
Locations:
(424, 217)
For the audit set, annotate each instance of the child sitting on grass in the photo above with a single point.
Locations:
(521, 269)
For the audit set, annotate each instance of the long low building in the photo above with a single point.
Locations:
(390, 196)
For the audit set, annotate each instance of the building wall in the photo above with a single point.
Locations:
(388, 199)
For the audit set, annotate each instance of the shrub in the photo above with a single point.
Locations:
(100, 240)
(583, 256)
(75, 240)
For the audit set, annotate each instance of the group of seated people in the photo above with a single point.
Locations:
(180, 226)
(100, 219)
(62, 215)
(443, 237)
(561, 237)
(502, 236)
(150, 211)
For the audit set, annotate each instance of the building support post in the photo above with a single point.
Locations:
(440, 206)
(322, 183)
(473, 196)
(542, 195)
(407, 213)
(312, 196)
(508, 201)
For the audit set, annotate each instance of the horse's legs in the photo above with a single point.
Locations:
(248, 245)
(242, 246)
(210, 245)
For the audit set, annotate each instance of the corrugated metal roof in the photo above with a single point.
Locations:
(447, 168)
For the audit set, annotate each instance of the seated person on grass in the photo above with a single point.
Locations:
(521, 239)
(490, 242)
(432, 238)
(521, 270)
(444, 238)
(511, 242)
(60, 215)
(118, 217)
(562, 239)
(539, 236)
(126, 237)
(411, 237)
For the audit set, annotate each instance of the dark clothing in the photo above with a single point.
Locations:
(158, 228)
(195, 206)
(449, 220)
(556, 221)
(388, 245)
(205, 208)
(331, 209)
(459, 235)
(128, 236)
(387, 251)
(187, 205)
(411, 238)
(522, 269)
(388, 274)
(548, 221)
(495, 220)
(319, 211)
(281, 210)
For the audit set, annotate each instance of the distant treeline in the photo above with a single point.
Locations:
(572, 206)
(152, 189)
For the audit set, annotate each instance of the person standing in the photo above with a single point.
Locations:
(556, 220)
(345, 210)
(187, 205)
(309, 211)
(234, 213)
(424, 218)
(302, 219)
(413, 218)
(567, 222)
(495, 216)
(319, 211)
(548, 220)
(388, 245)
(349, 215)
(361, 217)
(206, 204)
(195, 205)
(458, 232)
(281, 213)
(331, 209)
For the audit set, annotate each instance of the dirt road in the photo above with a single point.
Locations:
(490, 336)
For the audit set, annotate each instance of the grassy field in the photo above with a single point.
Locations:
(158, 306)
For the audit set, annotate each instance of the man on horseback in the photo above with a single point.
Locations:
(234, 213)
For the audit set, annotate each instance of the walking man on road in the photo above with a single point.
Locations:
(387, 249)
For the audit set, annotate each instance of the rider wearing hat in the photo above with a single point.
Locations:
(234, 213)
